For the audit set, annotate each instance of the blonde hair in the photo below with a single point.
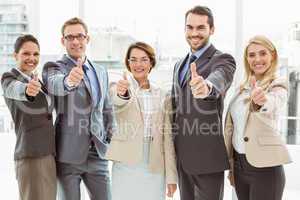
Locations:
(270, 74)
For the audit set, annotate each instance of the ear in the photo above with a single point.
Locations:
(212, 30)
(87, 39)
(62, 40)
(15, 55)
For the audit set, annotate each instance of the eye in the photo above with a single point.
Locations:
(251, 55)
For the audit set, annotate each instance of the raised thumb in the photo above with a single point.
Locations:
(193, 70)
(252, 82)
(125, 75)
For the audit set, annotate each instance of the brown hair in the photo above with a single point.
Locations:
(21, 40)
(73, 21)
(202, 10)
(270, 74)
(144, 47)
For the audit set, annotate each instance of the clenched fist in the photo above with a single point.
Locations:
(76, 74)
(33, 87)
(198, 85)
(123, 85)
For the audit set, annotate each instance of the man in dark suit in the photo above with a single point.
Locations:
(200, 82)
(84, 121)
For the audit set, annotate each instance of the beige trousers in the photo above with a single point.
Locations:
(36, 178)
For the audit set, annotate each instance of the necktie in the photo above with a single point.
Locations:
(92, 80)
(186, 67)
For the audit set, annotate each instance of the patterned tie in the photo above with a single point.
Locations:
(183, 72)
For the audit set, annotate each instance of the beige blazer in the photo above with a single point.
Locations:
(127, 143)
(264, 146)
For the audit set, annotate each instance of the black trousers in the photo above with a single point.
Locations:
(200, 187)
(253, 183)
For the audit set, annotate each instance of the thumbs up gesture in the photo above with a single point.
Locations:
(123, 85)
(198, 85)
(33, 86)
(76, 74)
(258, 96)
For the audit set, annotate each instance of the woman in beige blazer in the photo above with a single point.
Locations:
(142, 149)
(255, 148)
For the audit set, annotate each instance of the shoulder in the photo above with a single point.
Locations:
(9, 75)
(280, 81)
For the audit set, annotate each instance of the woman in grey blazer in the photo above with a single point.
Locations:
(253, 141)
(142, 149)
(29, 105)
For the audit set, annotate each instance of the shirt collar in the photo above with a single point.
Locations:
(200, 51)
(86, 62)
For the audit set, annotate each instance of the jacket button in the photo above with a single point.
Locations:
(246, 139)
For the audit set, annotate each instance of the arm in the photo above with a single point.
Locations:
(108, 114)
(14, 89)
(228, 132)
(222, 74)
(54, 79)
(170, 157)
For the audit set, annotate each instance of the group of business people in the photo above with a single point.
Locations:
(156, 139)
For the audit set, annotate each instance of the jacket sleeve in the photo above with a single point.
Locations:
(276, 99)
(13, 88)
(108, 113)
(54, 79)
(221, 75)
(228, 132)
(170, 157)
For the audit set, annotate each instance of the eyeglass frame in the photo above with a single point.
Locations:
(80, 37)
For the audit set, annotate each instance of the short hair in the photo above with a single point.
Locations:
(74, 21)
(144, 47)
(202, 10)
(23, 39)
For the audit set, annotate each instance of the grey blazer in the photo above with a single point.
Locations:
(197, 123)
(78, 122)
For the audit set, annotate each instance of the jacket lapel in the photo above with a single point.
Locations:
(200, 62)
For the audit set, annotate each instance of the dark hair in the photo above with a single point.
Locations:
(23, 39)
(74, 21)
(144, 47)
(202, 10)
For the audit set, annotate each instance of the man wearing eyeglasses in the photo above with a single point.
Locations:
(84, 121)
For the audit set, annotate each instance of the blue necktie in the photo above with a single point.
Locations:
(92, 80)
(186, 67)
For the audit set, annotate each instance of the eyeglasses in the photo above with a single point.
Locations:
(135, 61)
(80, 37)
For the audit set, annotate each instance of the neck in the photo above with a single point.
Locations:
(76, 58)
(25, 71)
(143, 83)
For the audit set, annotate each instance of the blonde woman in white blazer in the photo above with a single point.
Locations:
(255, 148)
(142, 149)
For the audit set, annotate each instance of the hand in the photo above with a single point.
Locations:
(198, 85)
(258, 96)
(171, 190)
(123, 85)
(76, 74)
(231, 178)
(33, 87)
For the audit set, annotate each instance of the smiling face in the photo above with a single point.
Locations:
(139, 64)
(75, 40)
(197, 31)
(259, 59)
(28, 57)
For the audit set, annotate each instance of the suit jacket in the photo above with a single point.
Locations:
(197, 123)
(31, 115)
(263, 145)
(78, 122)
(127, 143)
